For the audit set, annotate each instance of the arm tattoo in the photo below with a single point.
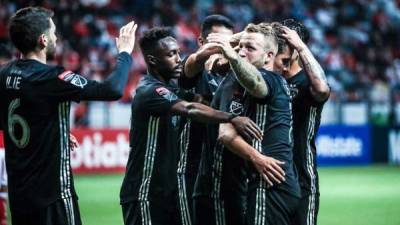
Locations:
(319, 84)
(249, 77)
(312, 67)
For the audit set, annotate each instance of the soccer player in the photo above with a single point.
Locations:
(149, 193)
(273, 189)
(34, 114)
(203, 72)
(310, 90)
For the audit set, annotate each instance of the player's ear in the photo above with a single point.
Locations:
(200, 41)
(42, 41)
(268, 56)
(151, 60)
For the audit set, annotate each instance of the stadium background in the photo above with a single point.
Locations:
(356, 41)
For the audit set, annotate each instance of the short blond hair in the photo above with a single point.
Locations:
(270, 35)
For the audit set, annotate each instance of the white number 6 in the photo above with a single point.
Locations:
(14, 119)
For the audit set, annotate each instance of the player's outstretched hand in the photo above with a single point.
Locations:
(292, 38)
(269, 168)
(247, 128)
(73, 143)
(126, 40)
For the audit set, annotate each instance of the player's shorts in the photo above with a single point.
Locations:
(185, 187)
(209, 211)
(270, 207)
(151, 213)
(307, 212)
(61, 212)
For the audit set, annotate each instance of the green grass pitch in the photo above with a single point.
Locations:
(349, 196)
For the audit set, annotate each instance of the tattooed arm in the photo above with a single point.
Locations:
(249, 77)
(246, 74)
(319, 84)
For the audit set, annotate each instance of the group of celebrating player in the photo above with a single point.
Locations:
(224, 136)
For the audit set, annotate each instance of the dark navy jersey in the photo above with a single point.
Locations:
(194, 135)
(34, 113)
(306, 121)
(273, 114)
(151, 172)
(222, 174)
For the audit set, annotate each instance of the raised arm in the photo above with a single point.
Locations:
(246, 74)
(112, 88)
(268, 167)
(319, 84)
(194, 64)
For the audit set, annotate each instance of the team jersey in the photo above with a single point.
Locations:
(306, 121)
(221, 173)
(34, 113)
(151, 171)
(273, 114)
(206, 84)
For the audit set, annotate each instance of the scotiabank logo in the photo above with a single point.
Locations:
(97, 153)
(328, 146)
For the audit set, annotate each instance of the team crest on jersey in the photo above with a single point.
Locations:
(236, 108)
(167, 94)
(73, 78)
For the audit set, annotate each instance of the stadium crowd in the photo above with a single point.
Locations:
(357, 42)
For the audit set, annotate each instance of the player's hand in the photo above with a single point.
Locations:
(235, 39)
(223, 42)
(247, 128)
(73, 143)
(126, 40)
(292, 38)
(269, 168)
(216, 62)
(207, 50)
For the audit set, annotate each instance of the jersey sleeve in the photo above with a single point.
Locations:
(66, 85)
(270, 82)
(157, 99)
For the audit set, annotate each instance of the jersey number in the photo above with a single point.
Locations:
(13, 120)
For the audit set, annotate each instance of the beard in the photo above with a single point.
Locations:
(51, 50)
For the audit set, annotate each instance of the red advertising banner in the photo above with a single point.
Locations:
(100, 150)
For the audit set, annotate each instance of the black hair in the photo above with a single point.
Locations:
(301, 30)
(282, 43)
(26, 26)
(215, 20)
(149, 40)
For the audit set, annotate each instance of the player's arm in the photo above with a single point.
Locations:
(70, 86)
(268, 167)
(194, 64)
(246, 74)
(319, 84)
(113, 87)
(206, 114)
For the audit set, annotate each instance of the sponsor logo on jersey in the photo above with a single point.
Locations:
(73, 78)
(167, 94)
